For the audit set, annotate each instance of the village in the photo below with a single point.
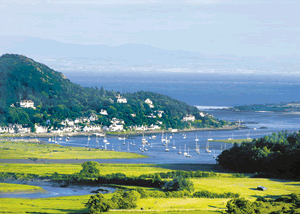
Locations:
(86, 124)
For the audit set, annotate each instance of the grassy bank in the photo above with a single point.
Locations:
(17, 188)
(48, 169)
(20, 150)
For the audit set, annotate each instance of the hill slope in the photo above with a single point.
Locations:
(57, 98)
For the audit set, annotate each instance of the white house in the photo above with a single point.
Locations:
(188, 118)
(116, 127)
(40, 129)
(154, 127)
(151, 116)
(27, 104)
(121, 100)
(148, 101)
(133, 115)
(202, 114)
(103, 112)
(93, 117)
(159, 113)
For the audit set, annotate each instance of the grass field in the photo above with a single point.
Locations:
(20, 150)
(9, 188)
(48, 169)
(232, 140)
(246, 187)
(75, 204)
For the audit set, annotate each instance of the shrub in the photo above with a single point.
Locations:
(97, 204)
(179, 183)
(90, 169)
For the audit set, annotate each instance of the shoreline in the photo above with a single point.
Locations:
(129, 133)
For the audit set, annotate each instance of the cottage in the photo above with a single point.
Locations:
(103, 112)
(116, 127)
(189, 118)
(121, 100)
(93, 117)
(27, 104)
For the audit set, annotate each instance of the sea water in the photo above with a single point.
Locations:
(197, 88)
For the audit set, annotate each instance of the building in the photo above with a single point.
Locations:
(189, 118)
(27, 104)
(103, 112)
(93, 117)
(116, 127)
(121, 100)
(149, 102)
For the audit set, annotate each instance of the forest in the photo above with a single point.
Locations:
(275, 156)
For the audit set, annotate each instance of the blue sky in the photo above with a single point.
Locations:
(241, 28)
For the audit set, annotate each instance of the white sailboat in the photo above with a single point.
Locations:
(197, 148)
(188, 154)
(179, 150)
(121, 138)
(104, 140)
(185, 153)
(209, 137)
(128, 147)
(184, 136)
(124, 142)
(196, 138)
(214, 154)
(144, 140)
(55, 141)
(49, 140)
(153, 137)
(248, 135)
(174, 147)
(97, 144)
(162, 136)
(88, 142)
(112, 147)
(133, 143)
(207, 147)
(97, 141)
(167, 150)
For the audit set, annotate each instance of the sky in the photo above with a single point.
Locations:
(233, 27)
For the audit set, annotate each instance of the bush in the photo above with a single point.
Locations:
(207, 194)
(179, 183)
(241, 206)
(97, 204)
(125, 200)
(90, 169)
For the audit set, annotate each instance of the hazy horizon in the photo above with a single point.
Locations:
(229, 27)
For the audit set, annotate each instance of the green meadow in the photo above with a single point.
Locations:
(13, 188)
(20, 150)
(246, 187)
(223, 183)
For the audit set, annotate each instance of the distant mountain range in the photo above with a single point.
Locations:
(138, 57)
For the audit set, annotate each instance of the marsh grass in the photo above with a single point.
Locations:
(48, 169)
(34, 151)
(13, 188)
